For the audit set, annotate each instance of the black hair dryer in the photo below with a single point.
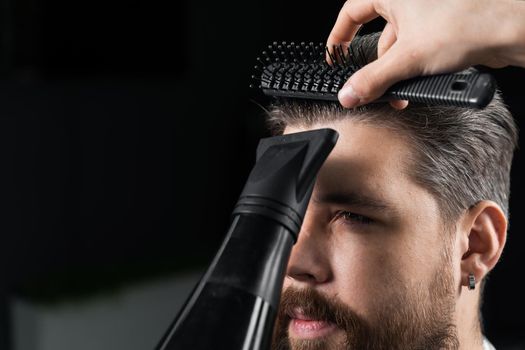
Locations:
(235, 304)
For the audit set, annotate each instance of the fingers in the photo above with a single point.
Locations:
(399, 104)
(353, 14)
(371, 81)
(386, 40)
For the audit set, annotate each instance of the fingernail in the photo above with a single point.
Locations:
(348, 97)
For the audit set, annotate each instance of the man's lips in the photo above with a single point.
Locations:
(305, 327)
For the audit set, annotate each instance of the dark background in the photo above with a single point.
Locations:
(127, 131)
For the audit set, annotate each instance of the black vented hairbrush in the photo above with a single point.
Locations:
(300, 71)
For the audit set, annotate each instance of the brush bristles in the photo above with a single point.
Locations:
(306, 70)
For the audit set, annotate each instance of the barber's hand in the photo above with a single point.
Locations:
(424, 37)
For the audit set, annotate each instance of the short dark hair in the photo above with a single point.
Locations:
(461, 155)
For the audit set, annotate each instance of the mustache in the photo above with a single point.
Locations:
(317, 306)
(405, 322)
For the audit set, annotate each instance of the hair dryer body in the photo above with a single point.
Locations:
(235, 304)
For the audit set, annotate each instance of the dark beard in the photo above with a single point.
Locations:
(409, 320)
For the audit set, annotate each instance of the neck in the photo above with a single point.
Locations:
(467, 320)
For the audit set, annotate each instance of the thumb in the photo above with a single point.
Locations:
(371, 81)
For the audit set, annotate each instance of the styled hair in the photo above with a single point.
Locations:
(460, 155)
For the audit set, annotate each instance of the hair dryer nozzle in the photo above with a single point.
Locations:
(281, 181)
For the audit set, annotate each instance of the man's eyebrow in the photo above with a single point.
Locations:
(353, 199)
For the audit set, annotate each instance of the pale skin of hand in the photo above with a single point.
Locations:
(424, 37)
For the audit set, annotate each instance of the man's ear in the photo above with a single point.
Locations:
(486, 227)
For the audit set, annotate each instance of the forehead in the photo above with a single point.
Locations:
(364, 155)
(373, 163)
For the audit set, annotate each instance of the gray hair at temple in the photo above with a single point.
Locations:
(460, 155)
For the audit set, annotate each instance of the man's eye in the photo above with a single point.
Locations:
(354, 218)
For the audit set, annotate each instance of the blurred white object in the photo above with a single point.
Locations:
(134, 318)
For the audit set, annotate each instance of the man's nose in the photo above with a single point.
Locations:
(310, 258)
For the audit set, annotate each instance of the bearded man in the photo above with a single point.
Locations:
(407, 217)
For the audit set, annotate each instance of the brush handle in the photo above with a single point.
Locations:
(468, 88)
(474, 90)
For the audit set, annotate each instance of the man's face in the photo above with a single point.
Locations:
(372, 267)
